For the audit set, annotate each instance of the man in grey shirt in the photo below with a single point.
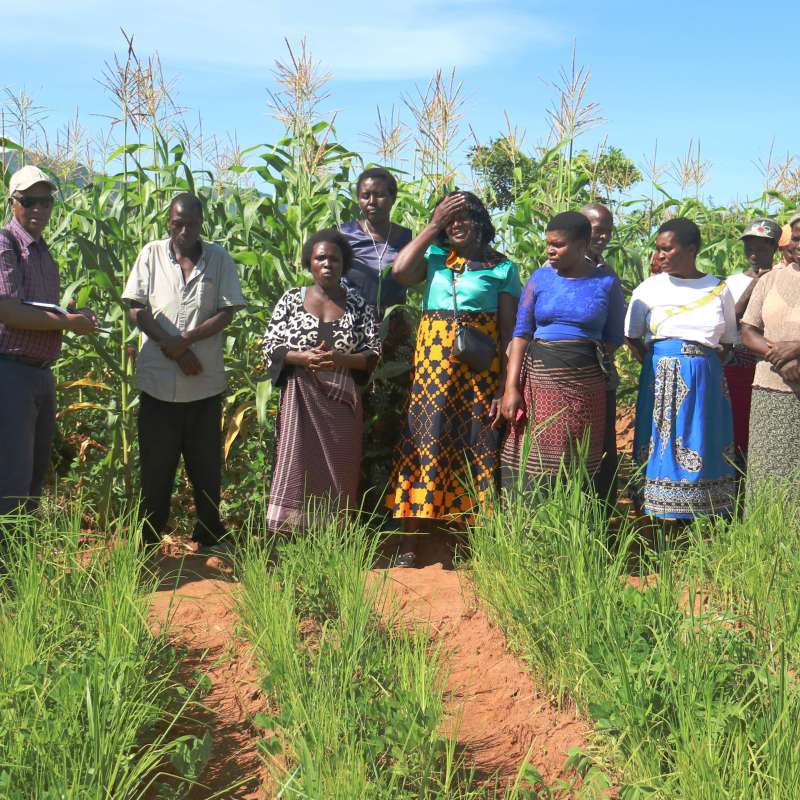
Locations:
(182, 292)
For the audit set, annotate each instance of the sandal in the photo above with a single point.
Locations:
(406, 560)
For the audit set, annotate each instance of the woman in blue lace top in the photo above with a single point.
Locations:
(571, 313)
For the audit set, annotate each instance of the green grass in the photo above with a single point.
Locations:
(753, 565)
(88, 701)
(688, 677)
(360, 695)
(685, 704)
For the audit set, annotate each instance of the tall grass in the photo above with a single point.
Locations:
(88, 702)
(753, 565)
(687, 698)
(360, 695)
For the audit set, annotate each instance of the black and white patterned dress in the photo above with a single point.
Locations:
(320, 423)
(292, 328)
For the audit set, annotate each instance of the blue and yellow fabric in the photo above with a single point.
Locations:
(684, 432)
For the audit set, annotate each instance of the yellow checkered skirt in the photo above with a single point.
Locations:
(447, 447)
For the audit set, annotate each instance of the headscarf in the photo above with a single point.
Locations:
(784, 243)
(477, 212)
(459, 263)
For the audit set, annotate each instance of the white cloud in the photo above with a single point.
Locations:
(355, 40)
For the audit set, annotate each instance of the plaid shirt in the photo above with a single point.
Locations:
(34, 277)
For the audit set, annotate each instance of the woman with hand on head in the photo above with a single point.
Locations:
(771, 329)
(680, 324)
(448, 445)
(321, 342)
(569, 321)
(760, 240)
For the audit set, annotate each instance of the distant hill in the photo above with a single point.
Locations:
(77, 174)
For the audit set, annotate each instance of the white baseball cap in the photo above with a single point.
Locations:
(28, 176)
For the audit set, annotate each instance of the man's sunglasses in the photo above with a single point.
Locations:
(45, 200)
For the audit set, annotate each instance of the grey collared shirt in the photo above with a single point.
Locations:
(156, 280)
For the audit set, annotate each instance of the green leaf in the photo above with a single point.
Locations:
(263, 394)
(265, 721)
(247, 257)
(391, 369)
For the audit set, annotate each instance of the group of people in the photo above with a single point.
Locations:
(719, 397)
(510, 385)
(182, 293)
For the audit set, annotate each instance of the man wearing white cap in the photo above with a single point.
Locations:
(30, 340)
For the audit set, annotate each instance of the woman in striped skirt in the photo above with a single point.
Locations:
(321, 343)
(569, 318)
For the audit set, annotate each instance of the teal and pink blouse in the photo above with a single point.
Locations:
(478, 286)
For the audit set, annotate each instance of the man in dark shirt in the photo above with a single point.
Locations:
(30, 340)
(602, 221)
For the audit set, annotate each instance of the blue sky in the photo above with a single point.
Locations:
(666, 73)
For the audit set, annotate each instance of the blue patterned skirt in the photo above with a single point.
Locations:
(684, 433)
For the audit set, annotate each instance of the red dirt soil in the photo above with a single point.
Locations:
(499, 715)
(195, 599)
(626, 421)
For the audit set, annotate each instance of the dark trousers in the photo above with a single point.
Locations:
(605, 480)
(27, 425)
(168, 431)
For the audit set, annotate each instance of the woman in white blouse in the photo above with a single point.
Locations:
(680, 323)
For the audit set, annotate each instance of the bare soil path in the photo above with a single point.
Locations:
(498, 714)
(195, 601)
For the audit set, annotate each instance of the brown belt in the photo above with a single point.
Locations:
(29, 362)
